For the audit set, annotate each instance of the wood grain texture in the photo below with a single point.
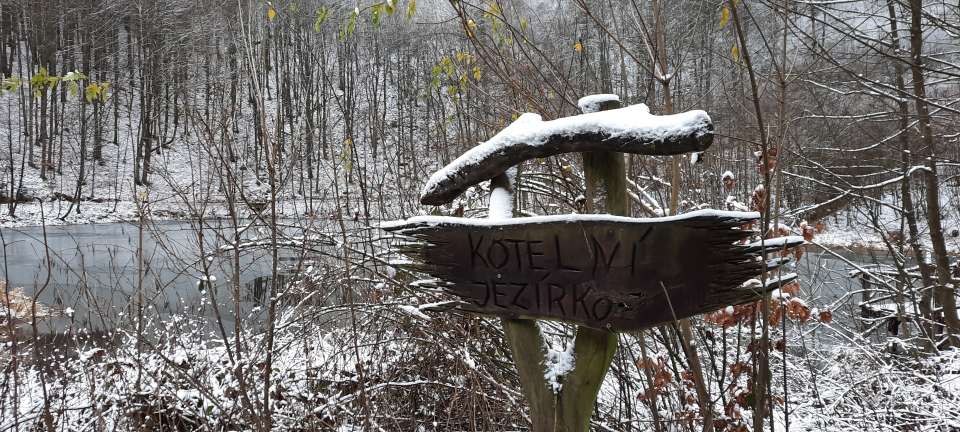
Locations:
(613, 275)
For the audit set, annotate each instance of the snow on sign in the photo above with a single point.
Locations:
(601, 271)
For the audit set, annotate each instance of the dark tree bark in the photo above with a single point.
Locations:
(944, 291)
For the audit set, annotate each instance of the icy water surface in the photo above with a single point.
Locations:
(94, 270)
(826, 283)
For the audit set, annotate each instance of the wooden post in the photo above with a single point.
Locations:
(606, 177)
(606, 180)
(525, 339)
(570, 408)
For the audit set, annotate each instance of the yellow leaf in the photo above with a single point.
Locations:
(92, 92)
(103, 90)
(476, 73)
(411, 8)
(471, 28)
(578, 47)
(724, 16)
(10, 84)
(271, 13)
(735, 53)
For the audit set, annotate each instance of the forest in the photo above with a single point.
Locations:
(328, 215)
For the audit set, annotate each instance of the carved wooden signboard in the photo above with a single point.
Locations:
(608, 273)
(601, 271)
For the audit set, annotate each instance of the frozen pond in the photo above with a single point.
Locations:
(96, 269)
(827, 284)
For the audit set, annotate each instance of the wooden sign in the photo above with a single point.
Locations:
(601, 271)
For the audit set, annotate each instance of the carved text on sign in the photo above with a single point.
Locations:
(596, 270)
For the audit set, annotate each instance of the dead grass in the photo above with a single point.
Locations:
(16, 310)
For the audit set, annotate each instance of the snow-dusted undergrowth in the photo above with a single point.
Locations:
(396, 371)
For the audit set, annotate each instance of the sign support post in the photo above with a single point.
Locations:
(571, 407)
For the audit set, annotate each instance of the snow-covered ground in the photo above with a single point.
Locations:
(330, 375)
(864, 227)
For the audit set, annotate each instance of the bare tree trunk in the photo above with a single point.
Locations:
(906, 192)
(944, 292)
(761, 376)
(686, 332)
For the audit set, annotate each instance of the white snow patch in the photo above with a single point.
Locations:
(733, 204)
(592, 103)
(468, 360)
(414, 312)
(431, 282)
(568, 218)
(778, 242)
(501, 204)
(557, 365)
(180, 358)
(188, 395)
(438, 305)
(91, 353)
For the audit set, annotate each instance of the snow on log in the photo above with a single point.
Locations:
(598, 102)
(628, 130)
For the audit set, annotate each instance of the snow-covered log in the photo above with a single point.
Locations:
(630, 129)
